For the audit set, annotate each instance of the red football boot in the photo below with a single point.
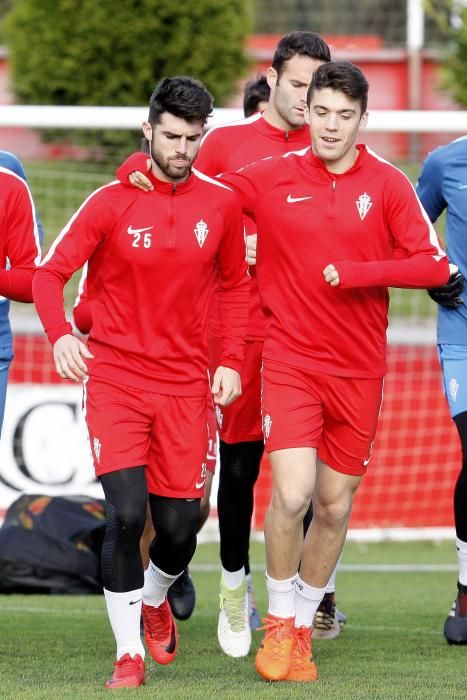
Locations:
(128, 672)
(160, 632)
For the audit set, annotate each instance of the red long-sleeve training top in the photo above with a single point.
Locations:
(226, 148)
(19, 238)
(369, 223)
(152, 258)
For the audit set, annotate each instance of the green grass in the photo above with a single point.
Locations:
(392, 646)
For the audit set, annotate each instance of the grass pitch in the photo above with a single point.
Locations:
(392, 646)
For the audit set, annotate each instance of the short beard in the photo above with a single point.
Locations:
(167, 169)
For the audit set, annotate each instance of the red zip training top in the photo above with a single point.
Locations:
(369, 223)
(152, 257)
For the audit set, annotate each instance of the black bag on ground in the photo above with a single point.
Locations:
(52, 545)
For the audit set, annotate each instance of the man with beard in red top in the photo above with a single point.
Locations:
(279, 129)
(152, 263)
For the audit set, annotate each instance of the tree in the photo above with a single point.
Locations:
(83, 52)
(451, 18)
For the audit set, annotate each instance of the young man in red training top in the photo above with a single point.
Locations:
(152, 265)
(337, 225)
(280, 129)
(181, 594)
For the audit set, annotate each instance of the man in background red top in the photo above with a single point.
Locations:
(279, 129)
(152, 264)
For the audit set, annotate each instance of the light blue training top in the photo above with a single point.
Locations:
(443, 185)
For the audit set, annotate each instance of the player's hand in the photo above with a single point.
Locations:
(331, 275)
(251, 242)
(449, 294)
(226, 386)
(68, 355)
(140, 180)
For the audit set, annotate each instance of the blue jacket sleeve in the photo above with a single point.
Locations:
(430, 186)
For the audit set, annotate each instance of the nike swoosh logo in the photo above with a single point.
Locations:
(291, 199)
(133, 602)
(132, 230)
(199, 485)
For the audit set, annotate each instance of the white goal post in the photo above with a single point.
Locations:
(47, 117)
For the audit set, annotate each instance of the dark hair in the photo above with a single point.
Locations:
(301, 44)
(256, 90)
(341, 76)
(183, 97)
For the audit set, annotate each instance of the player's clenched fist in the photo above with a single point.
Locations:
(68, 355)
(331, 275)
(226, 386)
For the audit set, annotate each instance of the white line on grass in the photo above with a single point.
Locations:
(54, 611)
(374, 568)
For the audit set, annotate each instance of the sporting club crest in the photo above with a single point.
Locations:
(201, 232)
(364, 205)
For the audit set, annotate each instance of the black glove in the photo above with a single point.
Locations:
(449, 294)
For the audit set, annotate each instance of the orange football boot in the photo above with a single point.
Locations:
(302, 668)
(274, 656)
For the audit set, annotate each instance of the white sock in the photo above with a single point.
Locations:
(307, 600)
(462, 559)
(156, 585)
(233, 579)
(281, 596)
(124, 611)
(331, 587)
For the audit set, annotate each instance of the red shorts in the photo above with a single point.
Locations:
(241, 421)
(128, 427)
(336, 415)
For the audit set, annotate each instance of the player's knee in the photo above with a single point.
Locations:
(333, 513)
(291, 503)
(176, 522)
(240, 464)
(129, 522)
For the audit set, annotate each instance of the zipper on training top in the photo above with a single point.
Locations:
(331, 213)
(171, 237)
